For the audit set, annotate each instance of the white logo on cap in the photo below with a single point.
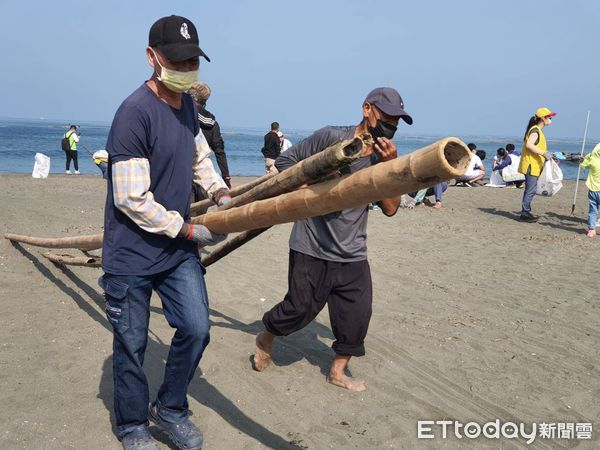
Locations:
(184, 31)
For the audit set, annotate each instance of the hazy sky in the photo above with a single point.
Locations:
(463, 66)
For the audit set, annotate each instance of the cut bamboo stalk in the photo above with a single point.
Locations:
(201, 206)
(441, 161)
(89, 242)
(70, 260)
(306, 171)
(232, 244)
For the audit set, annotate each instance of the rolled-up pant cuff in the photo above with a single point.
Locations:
(269, 327)
(348, 350)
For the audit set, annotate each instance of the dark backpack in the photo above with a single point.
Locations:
(65, 144)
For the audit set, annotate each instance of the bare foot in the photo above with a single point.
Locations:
(339, 378)
(347, 383)
(264, 349)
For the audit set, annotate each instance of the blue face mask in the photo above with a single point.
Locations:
(382, 129)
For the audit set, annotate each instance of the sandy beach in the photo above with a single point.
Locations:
(477, 317)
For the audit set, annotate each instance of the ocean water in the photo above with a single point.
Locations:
(21, 139)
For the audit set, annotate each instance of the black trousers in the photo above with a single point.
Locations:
(72, 155)
(346, 288)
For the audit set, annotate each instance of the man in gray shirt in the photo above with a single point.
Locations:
(328, 254)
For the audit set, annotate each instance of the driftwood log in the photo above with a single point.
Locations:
(70, 260)
(441, 161)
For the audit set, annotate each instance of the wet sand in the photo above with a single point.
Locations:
(476, 317)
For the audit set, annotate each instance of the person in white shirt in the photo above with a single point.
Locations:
(475, 171)
(285, 143)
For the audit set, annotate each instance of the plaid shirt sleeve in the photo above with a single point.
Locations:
(131, 181)
(205, 174)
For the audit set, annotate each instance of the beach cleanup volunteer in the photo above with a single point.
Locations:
(71, 154)
(156, 151)
(328, 254)
(533, 157)
(100, 158)
(592, 162)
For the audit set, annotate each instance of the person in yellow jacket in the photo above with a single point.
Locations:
(533, 156)
(592, 161)
(101, 160)
(73, 138)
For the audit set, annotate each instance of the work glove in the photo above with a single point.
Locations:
(222, 197)
(411, 204)
(200, 234)
(227, 181)
(547, 156)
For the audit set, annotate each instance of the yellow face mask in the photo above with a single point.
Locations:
(175, 80)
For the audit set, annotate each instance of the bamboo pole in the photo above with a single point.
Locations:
(441, 161)
(200, 207)
(70, 260)
(89, 242)
(306, 171)
(232, 244)
(218, 253)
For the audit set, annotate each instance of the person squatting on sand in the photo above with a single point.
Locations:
(475, 172)
(421, 196)
(592, 162)
(533, 156)
(153, 144)
(328, 254)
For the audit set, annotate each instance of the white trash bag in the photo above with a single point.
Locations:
(496, 180)
(550, 180)
(41, 166)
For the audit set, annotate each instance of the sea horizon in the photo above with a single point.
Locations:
(22, 138)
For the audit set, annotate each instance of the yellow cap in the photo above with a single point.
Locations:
(544, 112)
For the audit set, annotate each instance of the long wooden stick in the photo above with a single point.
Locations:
(219, 252)
(587, 121)
(441, 161)
(70, 260)
(89, 242)
(201, 206)
(232, 244)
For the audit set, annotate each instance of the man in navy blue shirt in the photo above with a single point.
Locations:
(155, 153)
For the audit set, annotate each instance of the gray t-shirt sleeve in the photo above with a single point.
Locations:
(318, 141)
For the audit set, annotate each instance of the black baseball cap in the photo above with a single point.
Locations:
(176, 37)
(389, 101)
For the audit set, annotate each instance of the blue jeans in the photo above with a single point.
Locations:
(185, 305)
(531, 182)
(439, 189)
(594, 202)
